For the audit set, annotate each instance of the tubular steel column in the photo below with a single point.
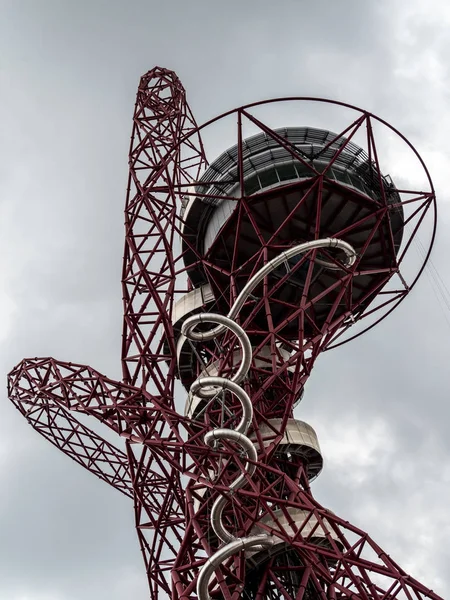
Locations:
(236, 276)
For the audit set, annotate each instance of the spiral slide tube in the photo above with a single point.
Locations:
(273, 264)
(208, 387)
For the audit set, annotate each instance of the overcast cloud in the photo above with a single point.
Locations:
(68, 76)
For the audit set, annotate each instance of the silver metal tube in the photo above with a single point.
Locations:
(217, 509)
(187, 329)
(222, 554)
(275, 263)
(285, 256)
(208, 387)
(199, 388)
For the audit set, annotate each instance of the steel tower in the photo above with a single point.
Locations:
(236, 276)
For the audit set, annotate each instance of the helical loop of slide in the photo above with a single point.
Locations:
(208, 387)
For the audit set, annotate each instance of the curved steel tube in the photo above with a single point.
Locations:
(249, 448)
(222, 554)
(287, 255)
(268, 268)
(207, 387)
(200, 385)
(225, 323)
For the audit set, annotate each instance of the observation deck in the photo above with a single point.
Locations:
(283, 196)
(287, 202)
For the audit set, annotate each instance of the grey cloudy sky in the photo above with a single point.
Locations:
(68, 76)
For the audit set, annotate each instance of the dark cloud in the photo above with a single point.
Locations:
(68, 79)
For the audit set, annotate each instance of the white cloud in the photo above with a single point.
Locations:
(355, 446)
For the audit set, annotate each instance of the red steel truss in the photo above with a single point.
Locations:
(282, 543)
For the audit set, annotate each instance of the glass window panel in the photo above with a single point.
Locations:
(268, 177)
(286, 171)
(252, 185)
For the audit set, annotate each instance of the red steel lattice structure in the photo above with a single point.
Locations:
(286, 240)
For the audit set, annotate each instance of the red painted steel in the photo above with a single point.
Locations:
(166, 467)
